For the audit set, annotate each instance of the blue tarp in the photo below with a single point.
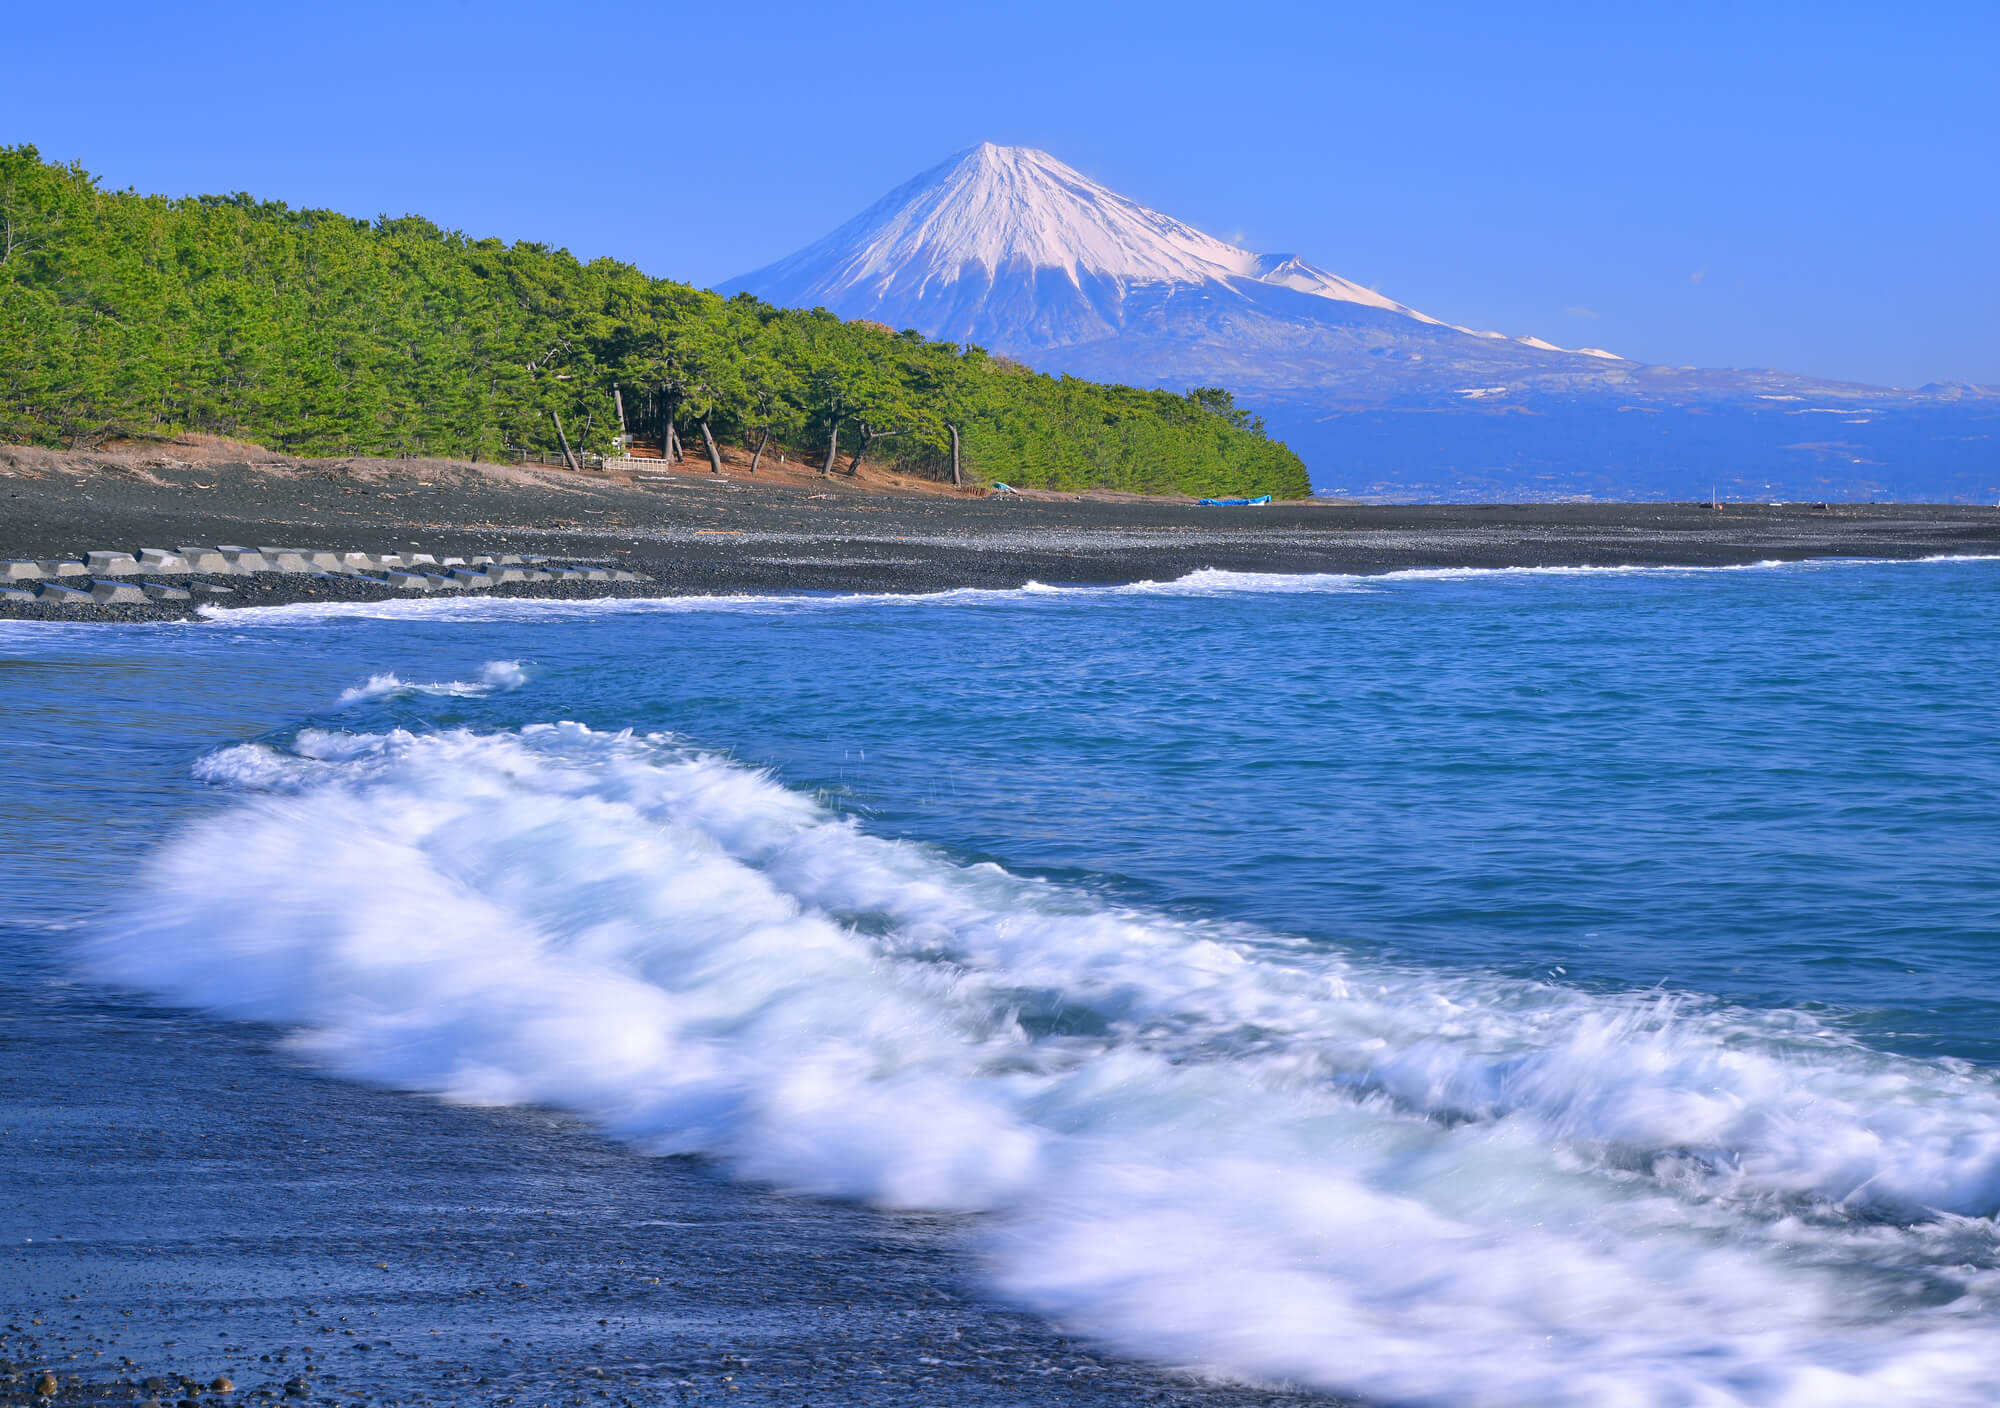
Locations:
(1232, 503)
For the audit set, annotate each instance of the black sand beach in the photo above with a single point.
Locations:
(690, 532)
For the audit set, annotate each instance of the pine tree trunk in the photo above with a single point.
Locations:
(568, 454)
(832, 449)
(760, 449)
(714, 457)
(867, 439)
(956, 481)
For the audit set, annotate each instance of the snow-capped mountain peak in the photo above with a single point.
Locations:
(995, 209)
(1012, 248)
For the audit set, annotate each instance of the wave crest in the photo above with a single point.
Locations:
(1205, 1143)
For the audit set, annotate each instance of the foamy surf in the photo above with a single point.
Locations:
(495, 677)
(1204, 1144)
(1206, 581)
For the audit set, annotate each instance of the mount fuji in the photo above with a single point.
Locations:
(1009, 248)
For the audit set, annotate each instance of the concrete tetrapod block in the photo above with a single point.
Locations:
(205, 560)
(63, 596)
(111, 564)
(478, 581)
(16, 594)
(107, 593)
(57, 567)
(407, 581)
(160, 591)
(419, 559)
(21, 570)
(621, 575)
(328, 561)
(245, 559)
(285, 560)
(506, 574)
(162, 561)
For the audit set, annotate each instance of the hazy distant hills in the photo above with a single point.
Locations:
(1009, 248)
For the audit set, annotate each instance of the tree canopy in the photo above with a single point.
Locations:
(317, 333)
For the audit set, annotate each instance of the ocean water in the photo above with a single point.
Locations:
(1541, 987)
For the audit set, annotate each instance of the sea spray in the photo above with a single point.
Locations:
(497, 675)
(1205, 1143)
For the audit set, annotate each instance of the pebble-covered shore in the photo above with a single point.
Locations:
(689, 533)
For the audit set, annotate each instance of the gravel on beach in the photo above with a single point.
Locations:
(689, 532)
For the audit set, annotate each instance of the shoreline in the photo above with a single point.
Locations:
(690, 533)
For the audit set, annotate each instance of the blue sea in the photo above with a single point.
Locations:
(1470, 987)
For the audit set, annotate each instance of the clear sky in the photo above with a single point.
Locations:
(1811, 187)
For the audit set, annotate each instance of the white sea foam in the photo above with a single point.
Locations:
(1207, 1145)
(1206, 581)
(497, 676)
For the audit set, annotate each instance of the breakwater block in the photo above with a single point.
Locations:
(621, 575)
(505, 574)
(407, 581)
(162, 561)
(16, 594)
(107, 593)
(111, 564)
(479, 581)
(328, 561)
(244, 559)
(160, 591)
(56, 567)
(205, 560)
(64, 596)
(21, 570)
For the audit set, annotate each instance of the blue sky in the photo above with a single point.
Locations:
(1805, 187)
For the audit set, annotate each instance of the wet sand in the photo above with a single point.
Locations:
(690, 532)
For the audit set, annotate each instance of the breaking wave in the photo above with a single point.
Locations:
(1204, 1144)
(498, 675)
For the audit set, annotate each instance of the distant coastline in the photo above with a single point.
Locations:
(690, 532)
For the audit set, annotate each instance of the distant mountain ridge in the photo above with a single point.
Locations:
(1004, 243)
(1009, 248)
